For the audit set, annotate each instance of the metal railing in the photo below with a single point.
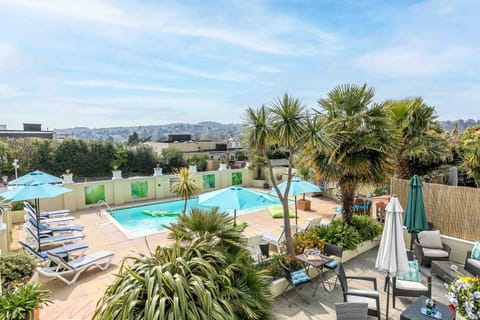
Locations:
(102, 204)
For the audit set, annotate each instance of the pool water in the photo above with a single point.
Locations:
(136, 223)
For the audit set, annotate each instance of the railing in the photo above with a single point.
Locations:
(102, 204)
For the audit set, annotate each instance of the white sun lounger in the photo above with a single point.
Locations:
(48, 214)
(49, 240)
(275, 239)
(76, 266)
(60, 220)
(62, 250)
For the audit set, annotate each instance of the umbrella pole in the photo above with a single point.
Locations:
(37, 214)
(411, 241)
(388, 295)
(234, 218)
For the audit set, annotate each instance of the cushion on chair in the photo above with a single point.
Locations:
(277, 212)
(372, 303)
(331, 265)
(434, 253)
(412, 274)
(474, 262)
(299, 277)
(410, 285)
(430, 239)
(476, 251)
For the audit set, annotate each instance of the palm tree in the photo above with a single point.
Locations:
(418, 135)
(362, 139)
(471, 153)
(186, 185)
(283, 124)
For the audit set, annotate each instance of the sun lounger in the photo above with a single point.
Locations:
(62, 250)
(61, 220)
(47, 239)
(277, 212)
(48, 214)
(275, 239)
(76, 266)
(58, 229)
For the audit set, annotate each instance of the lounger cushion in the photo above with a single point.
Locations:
(412, 274)
(89, 258)
(430, 239)
(434, 253)
(277, 212)
(476, 251)
(372, 303)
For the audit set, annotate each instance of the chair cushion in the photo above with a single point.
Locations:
(412, 274)
(331, 265)
(434, 253)
(410, 285)
(299, 277)
(430, 239)
(476, 251)
(372, 303)
(474, 262)
(277, 212)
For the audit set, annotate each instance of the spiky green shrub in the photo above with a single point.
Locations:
(16, 267)
(20, 300)
(367, 227)
(339, 234)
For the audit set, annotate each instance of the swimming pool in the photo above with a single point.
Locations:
(136, 223)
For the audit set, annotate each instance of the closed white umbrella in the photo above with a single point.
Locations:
(392, 253)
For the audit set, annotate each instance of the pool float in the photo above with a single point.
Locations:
(159, 213)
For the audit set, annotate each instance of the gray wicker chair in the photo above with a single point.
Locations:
(372, 298)
(472, 265)
(351, 311)
(426, 254)
(402, 288)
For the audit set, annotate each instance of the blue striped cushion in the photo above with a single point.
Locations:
(299, 277)
(476, 251)
(331, 264)
(412, 274)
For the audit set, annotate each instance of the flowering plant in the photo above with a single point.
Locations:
(464, 296)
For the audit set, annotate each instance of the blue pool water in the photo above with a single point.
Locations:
(137, 224)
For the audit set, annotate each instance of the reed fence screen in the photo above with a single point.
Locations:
(455, 211)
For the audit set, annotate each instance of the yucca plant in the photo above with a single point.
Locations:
(19, 301)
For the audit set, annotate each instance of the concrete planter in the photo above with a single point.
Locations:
(257, 183)
(116, 174)
(157, 171)
(193, 168)
(223, 166)
(67, 178)
(279, 285)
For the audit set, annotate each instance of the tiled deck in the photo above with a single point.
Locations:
(78, 301)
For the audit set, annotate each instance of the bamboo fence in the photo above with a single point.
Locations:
(455, 211)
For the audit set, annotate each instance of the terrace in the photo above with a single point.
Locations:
(78, 301)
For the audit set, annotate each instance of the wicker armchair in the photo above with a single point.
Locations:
(428, 247)
(472, 265)
(405, 288)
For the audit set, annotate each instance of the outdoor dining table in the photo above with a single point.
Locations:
(316, 261)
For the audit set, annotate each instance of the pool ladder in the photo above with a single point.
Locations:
(102, 204)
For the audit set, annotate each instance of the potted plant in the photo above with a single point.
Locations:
(22, 301)
(464, 296)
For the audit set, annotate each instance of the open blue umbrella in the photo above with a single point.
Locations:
(236, 198)
(297, 186)
(35, 176)
(415, 219)
(35, 191)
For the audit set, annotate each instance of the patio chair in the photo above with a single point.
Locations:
(295, 280)
(49, 240)
(351, 311)
(61, 268)
(410, 284)
(275, 239)
(336, 253)
(48, 214)
(253, 246)
(372, 297)
(45, 229)
(429, 246)
(311, 223)
(472, 265)
(62, 250)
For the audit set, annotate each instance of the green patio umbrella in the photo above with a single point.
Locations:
(415, 219)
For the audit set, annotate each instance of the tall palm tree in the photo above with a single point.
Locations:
(362, 139)
(418, 134)
(283, 124)
(186, 186)
(471, 153)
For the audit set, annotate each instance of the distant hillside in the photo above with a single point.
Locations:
(462, 124)
(202, 130)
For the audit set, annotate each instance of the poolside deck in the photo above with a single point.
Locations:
(78, 301)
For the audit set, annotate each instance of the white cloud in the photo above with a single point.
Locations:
(223, 76)
(7, 91)
(7, 55)
(122, 85)
(88, 10)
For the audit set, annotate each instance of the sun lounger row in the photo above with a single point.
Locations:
(64, 258)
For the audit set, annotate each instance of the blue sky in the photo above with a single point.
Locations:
(100, 63)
